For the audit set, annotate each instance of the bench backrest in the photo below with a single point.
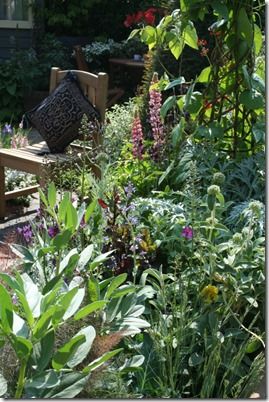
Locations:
(94, 86)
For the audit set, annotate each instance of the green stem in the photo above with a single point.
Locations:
(44, 269)
(134, 254)
(213, 218)
(21, 380)
(58, 259)
(243, 326)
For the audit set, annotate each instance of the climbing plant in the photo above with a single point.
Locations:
(224, 104)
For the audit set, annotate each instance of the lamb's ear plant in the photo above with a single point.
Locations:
(30, 323)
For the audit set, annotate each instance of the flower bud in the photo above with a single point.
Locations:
(213, 190)
(218, 178)
(237, 238)
(255, 207)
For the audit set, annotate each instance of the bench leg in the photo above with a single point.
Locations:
(2, 193)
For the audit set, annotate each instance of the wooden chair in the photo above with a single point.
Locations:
(30, 159)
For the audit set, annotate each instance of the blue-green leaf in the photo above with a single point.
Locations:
(114, 284)
(195, 359)
(90, 308)
(89, 210)
(251, 99)
(65, 353)
(101, 360)
(83, 350)
(52, 195)
(168, 104)
(6, 310)
(245, 27)
(3, 385)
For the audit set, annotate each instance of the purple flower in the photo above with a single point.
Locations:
(187, 232)
(14, 299)
(40, 226)
(38, 213)
(7, 129)
(137, 137)
(127, 208)
(133, 220)
(53, 231)
(129, 190)
(26, 232)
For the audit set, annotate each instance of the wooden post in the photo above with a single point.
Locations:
(101, 94)
(53, 78)
(101, 101)
(2, 193)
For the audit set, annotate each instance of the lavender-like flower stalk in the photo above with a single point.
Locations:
(137, 137)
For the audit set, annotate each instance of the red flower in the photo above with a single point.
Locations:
(149, 16)
(102, 203)
(152, 10)
(129, 20)
(138, 17)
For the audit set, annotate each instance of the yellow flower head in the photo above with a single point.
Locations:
(209, 293)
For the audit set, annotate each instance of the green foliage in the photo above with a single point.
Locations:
(191, 348)
(50, 53)
(170, 33)
(98, 52)
(16, 76)
(118, 128)
(32, 319)
(230, 110)
(186, 232)
(27, 70)
(143, 174)
(61, 16)
(30, 326)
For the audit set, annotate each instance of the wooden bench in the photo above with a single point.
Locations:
(34, 158)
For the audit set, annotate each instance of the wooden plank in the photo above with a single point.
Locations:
(19, 192)
(20, 164)
(30, 154)
(17, 151)
(85, 78)
(53, 78)
(21, 153)
(101, 94)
